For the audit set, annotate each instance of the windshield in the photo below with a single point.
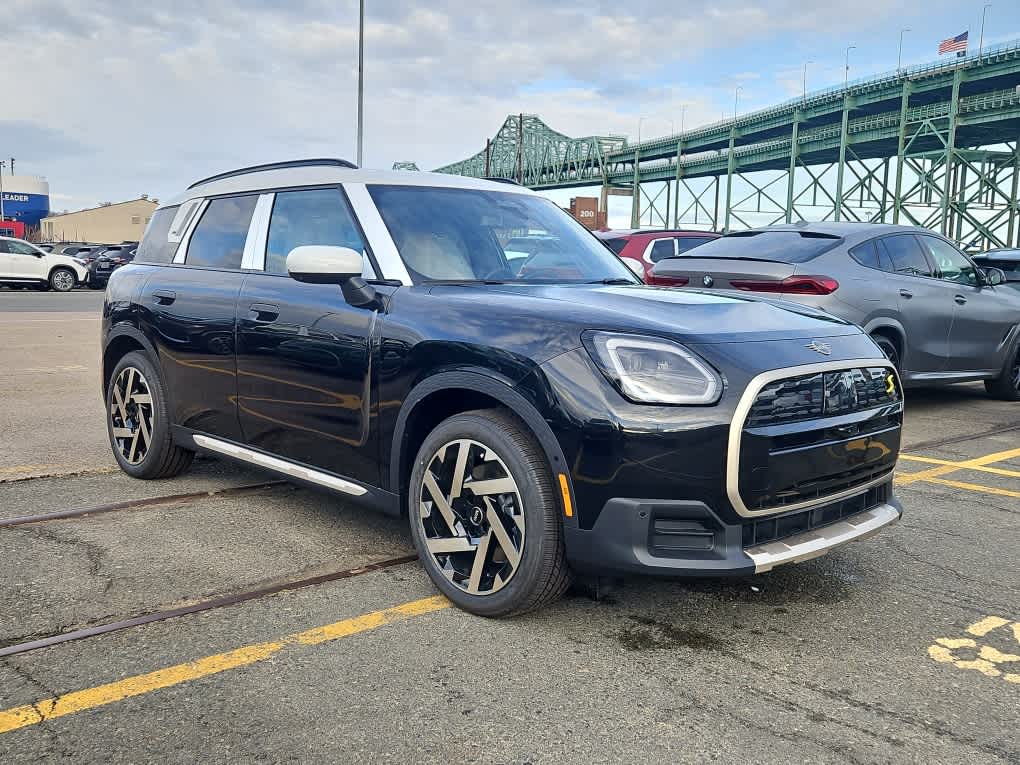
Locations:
(469, 235)
(778, 246)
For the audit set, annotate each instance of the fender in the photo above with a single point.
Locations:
(126, 330)
(497, 388)
(886, 322)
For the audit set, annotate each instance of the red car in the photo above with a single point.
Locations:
(641, 249)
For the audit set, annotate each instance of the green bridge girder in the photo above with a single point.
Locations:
(936, 145)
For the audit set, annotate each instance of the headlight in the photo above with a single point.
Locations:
(650, 370)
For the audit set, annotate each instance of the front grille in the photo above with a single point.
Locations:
(776, 528)
(823, 394)
(813, 436)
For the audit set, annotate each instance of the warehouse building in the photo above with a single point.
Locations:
(111, 223)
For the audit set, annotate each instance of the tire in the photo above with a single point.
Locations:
(129, 418)
(520, 522)
(1007, 385)
(889, 349)
(62, 280)
(96, 285)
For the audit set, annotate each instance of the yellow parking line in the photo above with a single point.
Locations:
(927, 475)
(974, 487)
(980, 468)
(90, 698)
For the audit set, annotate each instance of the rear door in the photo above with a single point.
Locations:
(190, 306)
(926, 306)
(303, 352)
(982, 318)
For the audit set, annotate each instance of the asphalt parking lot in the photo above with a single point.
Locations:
(904, 647)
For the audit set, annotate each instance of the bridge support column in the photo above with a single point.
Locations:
(947, 187)
(731, 165)
(635, 202)
(901, 143)
(1014, 203)
(794, 153)
(676, 199)
(838, 209)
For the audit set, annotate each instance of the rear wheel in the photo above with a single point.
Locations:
(1007, 385)
(889, 349)
(62, 280)
(484, 515)
(138, 421)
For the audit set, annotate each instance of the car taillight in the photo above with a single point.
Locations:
(667, 281)
(793, 285)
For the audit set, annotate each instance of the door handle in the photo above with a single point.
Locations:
(960, 299)
(906, 293)
(164, 297)
(264, 312)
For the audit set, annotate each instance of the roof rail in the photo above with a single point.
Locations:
(495, 179)
(277, 166)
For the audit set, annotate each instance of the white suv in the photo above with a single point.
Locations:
(22, 263)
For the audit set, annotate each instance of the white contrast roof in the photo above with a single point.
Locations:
(319, 175)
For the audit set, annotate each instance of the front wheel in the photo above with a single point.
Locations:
(1007, 385)
(484, 515)
(62, 280)
(889, 349)
(138, 421)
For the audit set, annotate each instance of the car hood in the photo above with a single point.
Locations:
(687, 315)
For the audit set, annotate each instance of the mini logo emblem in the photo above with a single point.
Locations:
(707, 280)
(890, 384)
(823, 348)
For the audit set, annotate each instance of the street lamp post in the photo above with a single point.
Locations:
(2, 166)
(846, 71)
(361, 79)
(899, 55)
(683, 112)
(736, 97)
(804, 79)
(981, 40)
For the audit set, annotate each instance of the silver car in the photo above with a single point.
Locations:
(935, 314)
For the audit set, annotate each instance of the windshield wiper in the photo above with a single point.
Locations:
(612, 281)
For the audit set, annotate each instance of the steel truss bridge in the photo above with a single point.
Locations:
(936, 145)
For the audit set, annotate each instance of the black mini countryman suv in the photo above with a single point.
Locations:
(364, 332)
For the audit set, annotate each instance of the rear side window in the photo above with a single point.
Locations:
(872, 255)
(661, 248)
(616, 244)
(685, 243)
(218, 239)
(906, 255)
(776, 246)
(316, 216)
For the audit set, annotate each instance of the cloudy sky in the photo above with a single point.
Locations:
(109, 99)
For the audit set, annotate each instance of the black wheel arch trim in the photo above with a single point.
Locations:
(126, 330)
(501, 390)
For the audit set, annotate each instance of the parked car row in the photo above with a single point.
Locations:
(61, 267)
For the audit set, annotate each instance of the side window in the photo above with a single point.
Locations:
(662, 248)
(316, 216)
(20, 248)
(218, 239)
(906, 256)
(3, 247)
(156, 246)
(952, 265)
(685, 243)
(872, 255)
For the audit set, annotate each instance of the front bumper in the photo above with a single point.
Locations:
(683, 538)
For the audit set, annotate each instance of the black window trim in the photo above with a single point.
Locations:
(186, 239)
(938, 271)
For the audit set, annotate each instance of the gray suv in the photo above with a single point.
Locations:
(936, 315)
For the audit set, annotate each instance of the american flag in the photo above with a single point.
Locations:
(954, 44)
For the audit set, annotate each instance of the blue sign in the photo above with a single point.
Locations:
(26, 208)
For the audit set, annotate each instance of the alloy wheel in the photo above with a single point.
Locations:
(472, 516)
(63, 281)
(1014, 373)
(131, 415)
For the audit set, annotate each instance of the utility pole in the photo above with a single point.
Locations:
(804, 79)
(981, 40)
(846, 72)
(899, 56)
(736, 97)
(2, 165)
(361, 79)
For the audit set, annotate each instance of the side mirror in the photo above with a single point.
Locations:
(323, 264)
(993, 276)
(326, 264)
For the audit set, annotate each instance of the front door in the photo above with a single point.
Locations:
(190, 309)
(982, 318)
(925, 307)
(303, 353)
(19, 261)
